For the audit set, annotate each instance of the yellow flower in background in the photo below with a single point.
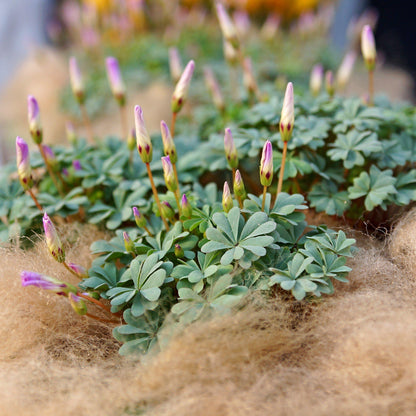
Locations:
(101, 5)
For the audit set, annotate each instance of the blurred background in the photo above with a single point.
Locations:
(38, 36)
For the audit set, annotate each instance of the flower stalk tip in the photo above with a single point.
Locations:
(315, 82)
(368, 47)
(168, 174)
(33, 115)
(80, 271)
(238, 186)
(175, 65)
(345, 69)
(329, 83)
(77, 83)
(186, 208)
(78, 305)
(227, 26)
(227, 201)
(23, 163)
(52, 240)
(116, 81)
(166, 210)
(128, 242)
(181, 89)
(144, 144)
(287, 118)
(139, 218)
(169, 147)
(266, 165)
(230, 149)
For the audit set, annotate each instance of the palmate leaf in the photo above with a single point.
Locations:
(326, 197)
(353, 146)
(294, 165)
(308, 131)
(377, 186)
(406, 188)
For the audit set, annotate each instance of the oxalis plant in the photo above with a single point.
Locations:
(197, 251)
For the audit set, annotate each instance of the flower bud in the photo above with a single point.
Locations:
(70, 133)
(52, 240)
(139, 218)
(287, 117)
(249, 80)
(368, 47)
(169, 147)
(76, 164)
(175, 64)
(214, 88)
(128, 243)
(80, 271)
(168, 174)
(227, 201)
(77, 83)
(270, 27)
(116, 81)
(181, 89)
(179, 251)
(266, 164)
(230, 53)
(33, 116)
(186, 208)
(315, 81)
(238, 185)
(23, 163)
(144, 145)
(77, 303)
(227, 26)
(131, 140)
(46, 283)
(345, 69)
(329, 83)
(230, 149)
(166, 210)
(241, 23)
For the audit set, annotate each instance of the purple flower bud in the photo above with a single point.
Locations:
(168, 174)
(144, 145)
(345, 69)
(266, 164)
(76, 165)
(46, 283)
(230, 149)
(175, 64)
(181, 89)
(287, 117)
(116, 81)
(33, 116)
(227, 201)
(186, 208)
(179, 251)
(315, 82)
(128, 243)
(329, 83)
(169, 147)
(80, 271)
(227, 26)
(52, 240)
(77, 303)
(23, 163)
(214, 88)
(76, 80)
(238, 185)
(368, 47)
(139, 218)
(166, 210)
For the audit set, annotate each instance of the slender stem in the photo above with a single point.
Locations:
(147, 230)
(58, 174)
(87, 123)
(48, 167)
(124, 128)
(172, 125)
(107, 321)
(95, 301)
(264, 197)
(155, 194)
(240, 202)
(69, 269)
(29, 191)
(370, 88)
(176, 176)
(233, 174)
(282, 169)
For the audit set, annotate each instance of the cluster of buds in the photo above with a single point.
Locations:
(181, 89)
(23, 164)
(116, 81)
(33, 115)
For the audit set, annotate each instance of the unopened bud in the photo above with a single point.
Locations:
(168, 174)
(329, 83)
(175, 64)
(179, 251)
(266, 164)
(131, 140)
(77, 303)
(287, 118)
(80, 271)
(368, 47)
(315, 82)
(186, 208)
(77, 83)
(230, 53)
(345, 69)
(23, 163)
(270, 27)
(227, 26)
(214, 88)
(249, 80)
(169, 147)
(116, 81)
(33, 116)
(238, 185)
(128, 242)
(139, 218)
(230, 149)
(52, 240)
(166, 210)
(144, 144)
(227, 201)
(70, 133)
(181, 89)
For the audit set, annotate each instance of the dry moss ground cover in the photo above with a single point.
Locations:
(350, 354)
